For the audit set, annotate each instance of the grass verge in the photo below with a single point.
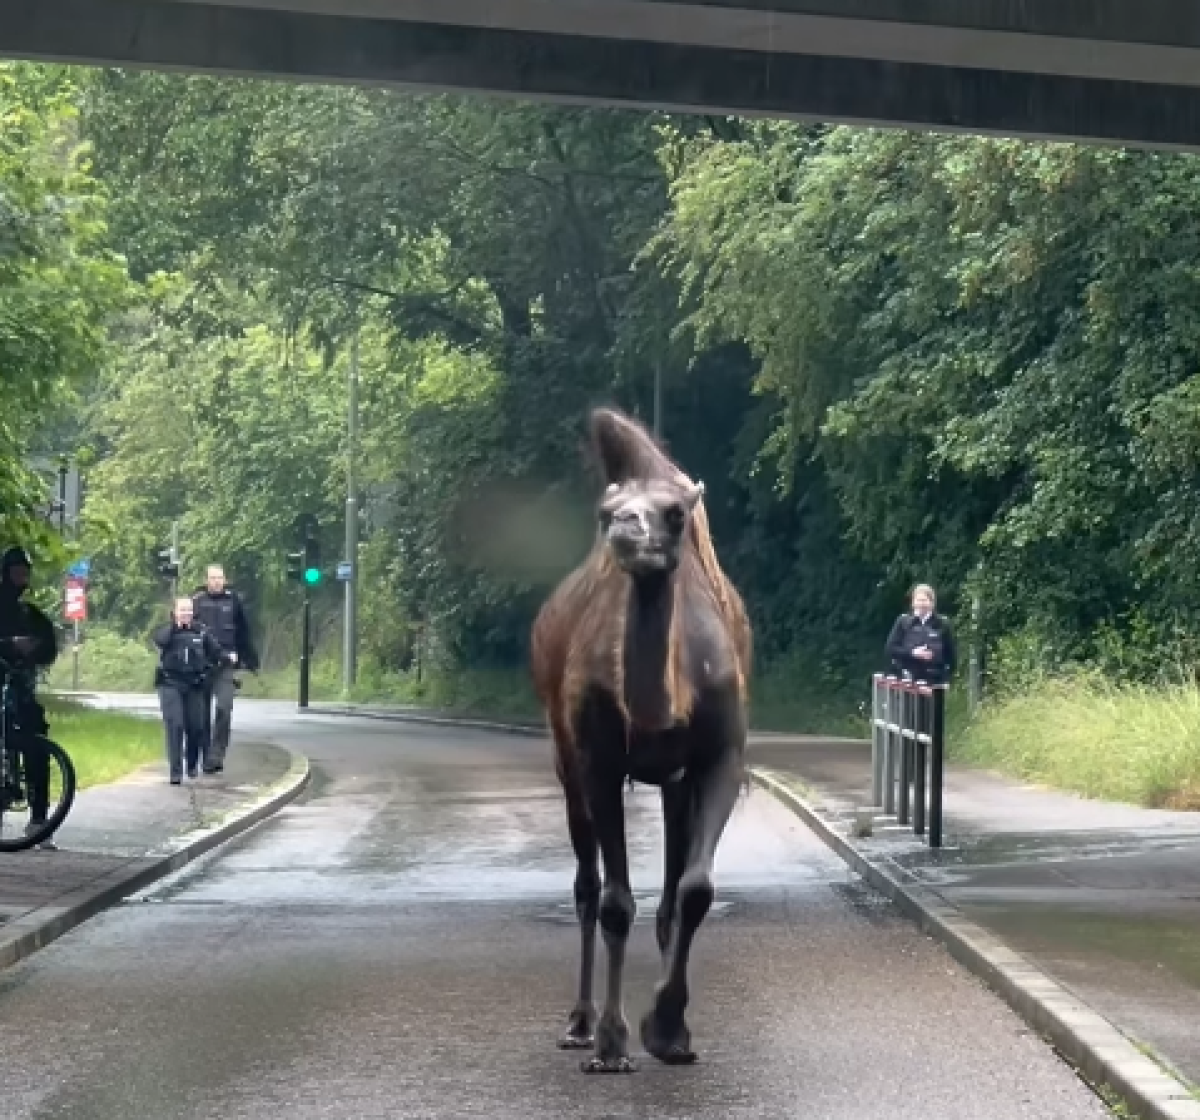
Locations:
(778, 702)
(498, 693)
(104, 746)
(1129, 743)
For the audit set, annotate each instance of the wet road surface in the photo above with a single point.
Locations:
(1103, 897)
(402, 944)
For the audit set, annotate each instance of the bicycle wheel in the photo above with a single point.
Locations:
(36, 759)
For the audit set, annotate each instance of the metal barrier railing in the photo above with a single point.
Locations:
(908, 752)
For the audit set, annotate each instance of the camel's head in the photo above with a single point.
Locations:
(644, 523)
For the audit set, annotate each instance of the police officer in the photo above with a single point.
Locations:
(27, 643)
(220, 609)
(188, 656)
(921, 645)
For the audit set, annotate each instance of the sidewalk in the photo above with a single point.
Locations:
(1103, 898)
(119, 834)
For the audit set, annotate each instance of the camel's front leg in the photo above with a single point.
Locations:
(665, 1032)
(581, 1028)
(617, 911)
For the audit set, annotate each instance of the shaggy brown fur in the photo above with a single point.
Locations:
(579, 633)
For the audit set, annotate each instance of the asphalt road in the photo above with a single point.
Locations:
(402, 944)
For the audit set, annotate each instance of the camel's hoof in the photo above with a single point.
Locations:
(581, 1030)
(677, 1055)
(609, 1065)
(670, 1045)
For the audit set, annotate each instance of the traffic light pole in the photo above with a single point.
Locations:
(305, 645)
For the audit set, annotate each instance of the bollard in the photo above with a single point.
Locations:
(904, 793)
(863, 824)
(891, 736)
(878, 731)
(921, 723)
(908, 755)
(937, 761)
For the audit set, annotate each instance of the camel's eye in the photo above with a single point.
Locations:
(674, 517)
(606, 516)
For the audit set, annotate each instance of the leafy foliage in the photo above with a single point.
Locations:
(989, 346)
(60, 283)
(890, 356)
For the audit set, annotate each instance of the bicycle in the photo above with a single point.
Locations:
(16, 748)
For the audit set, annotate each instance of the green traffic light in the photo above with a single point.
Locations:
(312, 575)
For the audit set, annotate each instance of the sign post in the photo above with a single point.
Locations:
(76, 601)
(75, 611)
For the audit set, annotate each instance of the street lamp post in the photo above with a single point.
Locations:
(657, 418)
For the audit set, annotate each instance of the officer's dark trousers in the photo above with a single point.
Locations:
(186, 722)
(221, 690)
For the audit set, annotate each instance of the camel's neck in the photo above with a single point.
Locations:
(647, 646)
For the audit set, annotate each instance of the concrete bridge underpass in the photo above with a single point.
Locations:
(1123, 71)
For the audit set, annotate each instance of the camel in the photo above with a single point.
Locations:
(640, 658)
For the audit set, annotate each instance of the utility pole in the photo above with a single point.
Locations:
(657, 418)
(350, 619)
(975, 660)
(174, 560)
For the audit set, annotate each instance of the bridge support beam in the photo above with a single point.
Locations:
(276, 41)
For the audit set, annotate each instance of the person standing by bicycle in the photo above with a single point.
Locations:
(188, 657)
(221, 610)
(27, 641)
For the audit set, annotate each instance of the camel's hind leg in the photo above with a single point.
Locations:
(581, 1026)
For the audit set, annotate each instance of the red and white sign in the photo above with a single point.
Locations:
(75, 608)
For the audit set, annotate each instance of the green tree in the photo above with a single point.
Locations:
(60, 283)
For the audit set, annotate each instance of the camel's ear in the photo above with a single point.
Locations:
(693, 496)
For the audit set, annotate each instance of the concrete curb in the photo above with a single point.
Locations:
(525, 730)
(1098, 1049)
(31, 932)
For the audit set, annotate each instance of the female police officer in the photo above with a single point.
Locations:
(188, 656)
(921, 644)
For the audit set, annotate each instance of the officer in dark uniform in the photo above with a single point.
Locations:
(28, 643)
(220, 609)
(188, 656)
(921, 645)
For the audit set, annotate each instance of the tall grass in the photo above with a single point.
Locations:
(104, 746)
(1118, 742)
(108, 662)
(795, 698)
